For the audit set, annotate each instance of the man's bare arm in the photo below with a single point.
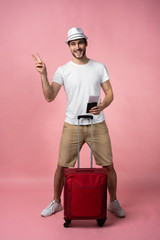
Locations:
(107, 88)
(50, 91)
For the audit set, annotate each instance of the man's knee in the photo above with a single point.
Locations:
(109, 168)
(60, 168)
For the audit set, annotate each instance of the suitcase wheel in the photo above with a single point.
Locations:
(101, 222)
(67, 222)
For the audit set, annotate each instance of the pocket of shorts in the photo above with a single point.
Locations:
(100, 128)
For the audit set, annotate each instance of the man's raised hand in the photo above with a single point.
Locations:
(40, 65)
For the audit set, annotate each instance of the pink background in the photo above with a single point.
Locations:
(125, 36)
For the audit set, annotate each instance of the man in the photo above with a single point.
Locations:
(81, 78)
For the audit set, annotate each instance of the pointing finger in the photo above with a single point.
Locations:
(35, 59)
(39, 59)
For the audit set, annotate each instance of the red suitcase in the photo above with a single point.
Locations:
(85, 190)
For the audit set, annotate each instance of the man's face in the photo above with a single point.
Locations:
(78, 48)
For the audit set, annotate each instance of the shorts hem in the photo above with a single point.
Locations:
(104, 164)
(65, 166)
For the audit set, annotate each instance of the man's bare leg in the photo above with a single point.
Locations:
(112, 182)
(58, 183)
(114, 205)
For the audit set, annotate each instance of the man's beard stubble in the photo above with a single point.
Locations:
(84, 52)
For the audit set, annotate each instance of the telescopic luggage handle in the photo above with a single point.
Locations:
(86, 117)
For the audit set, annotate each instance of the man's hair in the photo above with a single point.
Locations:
(85, 41)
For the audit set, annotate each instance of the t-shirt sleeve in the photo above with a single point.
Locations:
(58, 76)
(104, 74)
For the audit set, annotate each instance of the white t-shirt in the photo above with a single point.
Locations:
(80, 82)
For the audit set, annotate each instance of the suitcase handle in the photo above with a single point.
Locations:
(91, 117)
(85, 170)
(85, 116)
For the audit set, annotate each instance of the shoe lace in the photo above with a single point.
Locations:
(51, 204)
(118, 207)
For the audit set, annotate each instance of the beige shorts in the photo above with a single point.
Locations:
(102, 151)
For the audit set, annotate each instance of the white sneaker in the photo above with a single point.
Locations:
(115, 208)
(52, 208)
